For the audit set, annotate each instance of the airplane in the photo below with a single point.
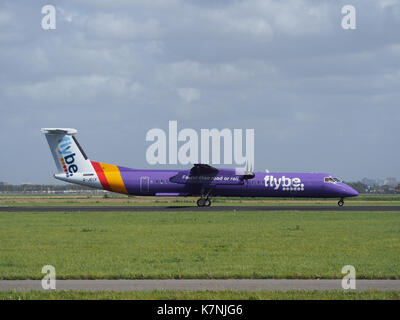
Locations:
(202, 180)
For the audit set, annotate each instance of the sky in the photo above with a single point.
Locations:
(319, 98)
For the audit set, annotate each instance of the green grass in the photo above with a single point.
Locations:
(137, 245)
(201, 295)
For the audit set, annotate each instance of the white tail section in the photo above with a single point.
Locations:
(67, 153)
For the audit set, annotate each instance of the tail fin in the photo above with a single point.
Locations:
(74, 166)
(68, 155)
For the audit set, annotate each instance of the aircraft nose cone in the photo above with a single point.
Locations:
(350, 192)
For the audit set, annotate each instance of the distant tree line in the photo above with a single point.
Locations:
(358, 185)
(363, 188)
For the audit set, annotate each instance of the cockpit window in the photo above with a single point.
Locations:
(332, 180)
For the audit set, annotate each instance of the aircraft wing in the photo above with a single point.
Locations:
(204, 174)
(203, 169)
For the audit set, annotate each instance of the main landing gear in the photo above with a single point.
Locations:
(341, 202)
(204, 202)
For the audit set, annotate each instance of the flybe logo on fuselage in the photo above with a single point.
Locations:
(67, 156)
(287, 184)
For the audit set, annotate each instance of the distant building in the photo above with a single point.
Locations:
(3, 183)
(381, 182)
(369, 182)
(391, 182)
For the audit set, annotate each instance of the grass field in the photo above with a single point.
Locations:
(135, 245)
(202, 295)
(121, 200)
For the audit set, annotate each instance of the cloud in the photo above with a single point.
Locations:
(194, 72)
(66, 15)
(311, 90)
(189, 94)
(84, 88)
(122, 27)
(389, 3)
(5, 18)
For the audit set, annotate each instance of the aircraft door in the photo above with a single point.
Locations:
(144, 184)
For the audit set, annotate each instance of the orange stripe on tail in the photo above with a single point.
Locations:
(101, 175)
(110, 177)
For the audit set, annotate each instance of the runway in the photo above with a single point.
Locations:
(200, 285)
(193, 208)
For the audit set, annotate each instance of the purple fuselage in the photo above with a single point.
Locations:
(226, 183)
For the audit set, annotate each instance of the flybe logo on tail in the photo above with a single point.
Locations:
(67, 157)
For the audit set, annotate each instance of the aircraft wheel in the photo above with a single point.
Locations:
(207, 203)
(201, 202)
(340, 203)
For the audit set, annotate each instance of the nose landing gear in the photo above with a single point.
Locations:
(341, 202)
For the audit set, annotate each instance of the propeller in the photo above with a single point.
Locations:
(248, 174)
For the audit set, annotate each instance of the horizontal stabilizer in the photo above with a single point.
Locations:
(67, 131)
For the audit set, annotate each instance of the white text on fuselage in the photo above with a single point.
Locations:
(286, 184)
(211, 178)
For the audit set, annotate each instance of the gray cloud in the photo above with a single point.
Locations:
(320, 98)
